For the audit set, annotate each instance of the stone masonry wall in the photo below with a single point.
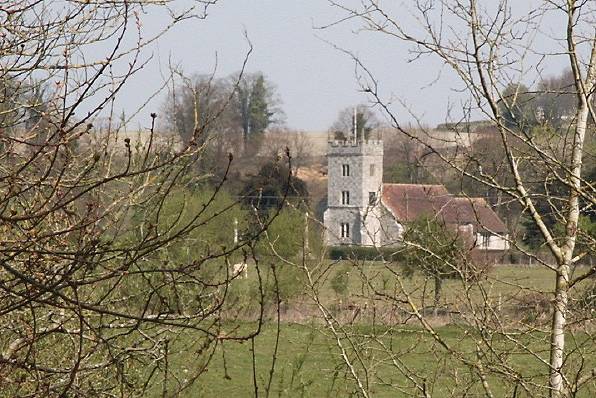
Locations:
(363, 218)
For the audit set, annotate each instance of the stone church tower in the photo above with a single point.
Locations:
(355, 178)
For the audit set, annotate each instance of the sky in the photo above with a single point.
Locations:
(314, 79)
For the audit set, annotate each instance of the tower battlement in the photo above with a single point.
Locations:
(351, 147)
(355, 143)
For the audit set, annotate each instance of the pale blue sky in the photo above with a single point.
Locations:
(313, 79)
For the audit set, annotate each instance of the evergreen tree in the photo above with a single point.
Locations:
(259, 114)
(254, 106)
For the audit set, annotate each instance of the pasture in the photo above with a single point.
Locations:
(302, 359)
(308, 364)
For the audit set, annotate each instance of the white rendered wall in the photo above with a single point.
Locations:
(392, 232)
(495, 242)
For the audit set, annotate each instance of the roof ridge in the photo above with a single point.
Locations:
(472, 199)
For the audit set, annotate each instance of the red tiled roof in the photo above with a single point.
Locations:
(408, 202)
(475, 211)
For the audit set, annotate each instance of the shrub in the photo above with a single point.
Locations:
(367, 253)
(533, 306)
(339, 282)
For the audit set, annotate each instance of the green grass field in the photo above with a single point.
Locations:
(308, 362)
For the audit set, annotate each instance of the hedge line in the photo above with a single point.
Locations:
(367, 253)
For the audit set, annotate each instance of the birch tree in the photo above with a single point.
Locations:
(493, 51)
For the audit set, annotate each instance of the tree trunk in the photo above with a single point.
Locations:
(562, 286)
(438, 284)
(557, 341)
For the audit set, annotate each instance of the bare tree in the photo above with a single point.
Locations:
(278, 139)
(492, 51)
(405, 160)
(113, 256)
(230, 114)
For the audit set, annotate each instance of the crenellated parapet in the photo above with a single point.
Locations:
(351, 147)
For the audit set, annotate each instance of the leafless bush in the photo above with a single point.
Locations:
(114, 254)
(544, 173)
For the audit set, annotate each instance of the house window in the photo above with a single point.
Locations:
(372, 169)
(345, 170)
(345, 197)
(372, 198)
(345, 230)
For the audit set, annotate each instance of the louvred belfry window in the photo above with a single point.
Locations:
(345, 230)
(345, 197)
